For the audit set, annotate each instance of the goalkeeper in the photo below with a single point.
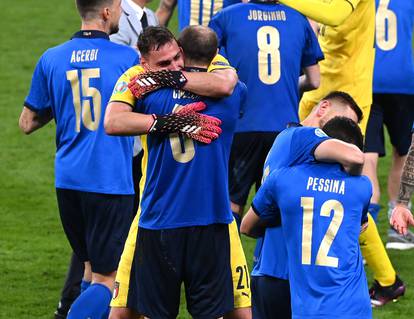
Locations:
(184, 231)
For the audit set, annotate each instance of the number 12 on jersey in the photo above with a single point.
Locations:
(322, 258)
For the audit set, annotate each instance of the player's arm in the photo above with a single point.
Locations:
(120, 120)
(252, 225)
(219, 83)
(331, 13)
(348, 155)
(310, 79)
(30, 120)
(165, 11)
(264, 211)
(401, 216)
(219, 80)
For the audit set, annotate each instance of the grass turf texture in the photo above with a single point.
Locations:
(34, 252)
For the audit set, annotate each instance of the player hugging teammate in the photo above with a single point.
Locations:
(218, 110)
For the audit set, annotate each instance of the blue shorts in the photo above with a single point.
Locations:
(198, 257)
(396, 112)
(96, 225)
(270, 298)
(248, 154)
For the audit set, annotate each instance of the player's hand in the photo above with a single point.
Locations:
(401, 218)
(150, 81)
(188, 121)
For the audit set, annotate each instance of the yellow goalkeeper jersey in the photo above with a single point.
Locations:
(349, 58)
(121, 92)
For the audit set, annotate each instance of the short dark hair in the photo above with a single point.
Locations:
(199, 43)
(346, 99)
(344, 129)
(88, 9)
(152, 38)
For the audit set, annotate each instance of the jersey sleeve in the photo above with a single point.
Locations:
(312, 52)
(303, 144)
(219, 63)
(332, 12)
(265, 201)
(38, 98)
(121, 92)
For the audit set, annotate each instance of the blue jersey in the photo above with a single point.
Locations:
(394, 60)
(185, 183)
(199, 12)
(76, 80)
(256, 38)
(294, 145)
(321, 208)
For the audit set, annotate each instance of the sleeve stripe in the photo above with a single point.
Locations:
(34, 108)
(256, 211)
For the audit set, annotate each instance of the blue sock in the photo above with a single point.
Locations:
(374, 210)
(238, 220)
(84, 285)
(92, 303)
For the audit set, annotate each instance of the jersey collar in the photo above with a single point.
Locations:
(293, 124)
(90, 34)
(194, 69)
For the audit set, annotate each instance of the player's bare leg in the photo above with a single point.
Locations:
(394, 177)
(87, 274)
(239, 313)
(370, 170)
(104, 279)
(124, 313)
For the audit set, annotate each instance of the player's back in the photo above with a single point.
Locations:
(349, 56)
(199, 12)
(322, 208)
(394, 35)
(185, 182)
(294, 145)
(78, 78)
(257, 40)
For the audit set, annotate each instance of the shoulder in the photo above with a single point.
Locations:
(132, 71)
(54, 53)
(218, 63)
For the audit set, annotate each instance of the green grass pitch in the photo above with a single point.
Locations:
(34, 253)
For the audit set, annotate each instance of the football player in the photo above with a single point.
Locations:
(270, 65)
(321, 209)
(159, 49)
(72, 84)
(346, 35)
(392, 103)
(300, 143)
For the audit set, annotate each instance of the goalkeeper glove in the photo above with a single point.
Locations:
(188, 121)
(147, 82)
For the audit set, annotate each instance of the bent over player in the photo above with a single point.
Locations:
(346, 36)
(321, 209)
